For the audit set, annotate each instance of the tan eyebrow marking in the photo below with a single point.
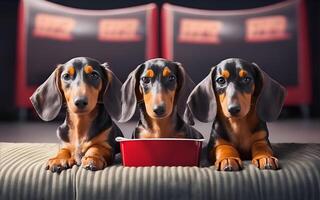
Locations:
(88, 69)
(242, 73)
(166, 71)
(71, 70)
(225, 73)
(150, 73)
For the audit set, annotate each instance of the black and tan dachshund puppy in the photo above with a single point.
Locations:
(90, 92)
(160, 88)
(239, 98)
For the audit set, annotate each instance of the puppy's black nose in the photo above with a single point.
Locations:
(81, 102)
(234, 109)
(159, 109)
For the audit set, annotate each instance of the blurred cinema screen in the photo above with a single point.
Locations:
(50, 34)
(274, 37)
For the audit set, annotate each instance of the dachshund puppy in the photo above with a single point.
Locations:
(90, 92)
(239, 98)
(160, 88)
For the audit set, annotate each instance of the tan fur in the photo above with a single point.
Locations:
(150, 133)
(71, 71)
(225, 155)
(79, 126)
(160, 128)
(98, 155)
(148, 100)
(244, 99)
(150, 73)
(163, 127)
(262, 154)
(242, 73)
(88, 69)
(63, 158)
(151, 99)
(242, 138)
(82, 90)
(240, 130)
(245, 103)
(223, 102)
(166, 72)
(225, 74)
(96, 150)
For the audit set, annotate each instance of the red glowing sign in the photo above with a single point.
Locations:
(199, 31)
(53, 27)
(261, 29)
(119, 30)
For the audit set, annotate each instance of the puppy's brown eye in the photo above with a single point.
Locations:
(246, 80)
(221, 80)
(66, 77)
(172, 78)
(146, 80)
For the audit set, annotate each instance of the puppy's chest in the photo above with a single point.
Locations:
(148, 133)
(241, 136)
(80, 143)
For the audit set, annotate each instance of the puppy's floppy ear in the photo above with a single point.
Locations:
(271, 96)
(112, 93)
(128, 94)
(201, 103)
(185, 87)
(47, 99)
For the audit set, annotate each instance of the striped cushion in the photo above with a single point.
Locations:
(23, 177)
(23, 174)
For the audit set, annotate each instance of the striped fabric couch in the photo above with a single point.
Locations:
(23, 176)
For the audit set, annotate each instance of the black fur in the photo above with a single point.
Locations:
(180, 125)
(48, 99)
(268, 96)
(131, 96)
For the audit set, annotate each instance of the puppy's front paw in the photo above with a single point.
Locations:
(93, 163)
(57, 164)
(266, 162)
(229, 164)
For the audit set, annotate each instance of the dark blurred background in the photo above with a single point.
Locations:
(8, 35)
(9, 113)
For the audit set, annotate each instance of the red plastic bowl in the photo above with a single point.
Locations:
(160, 152)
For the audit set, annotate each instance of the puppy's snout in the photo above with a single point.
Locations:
(234, 109)
(81, 102)
(159, 109)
